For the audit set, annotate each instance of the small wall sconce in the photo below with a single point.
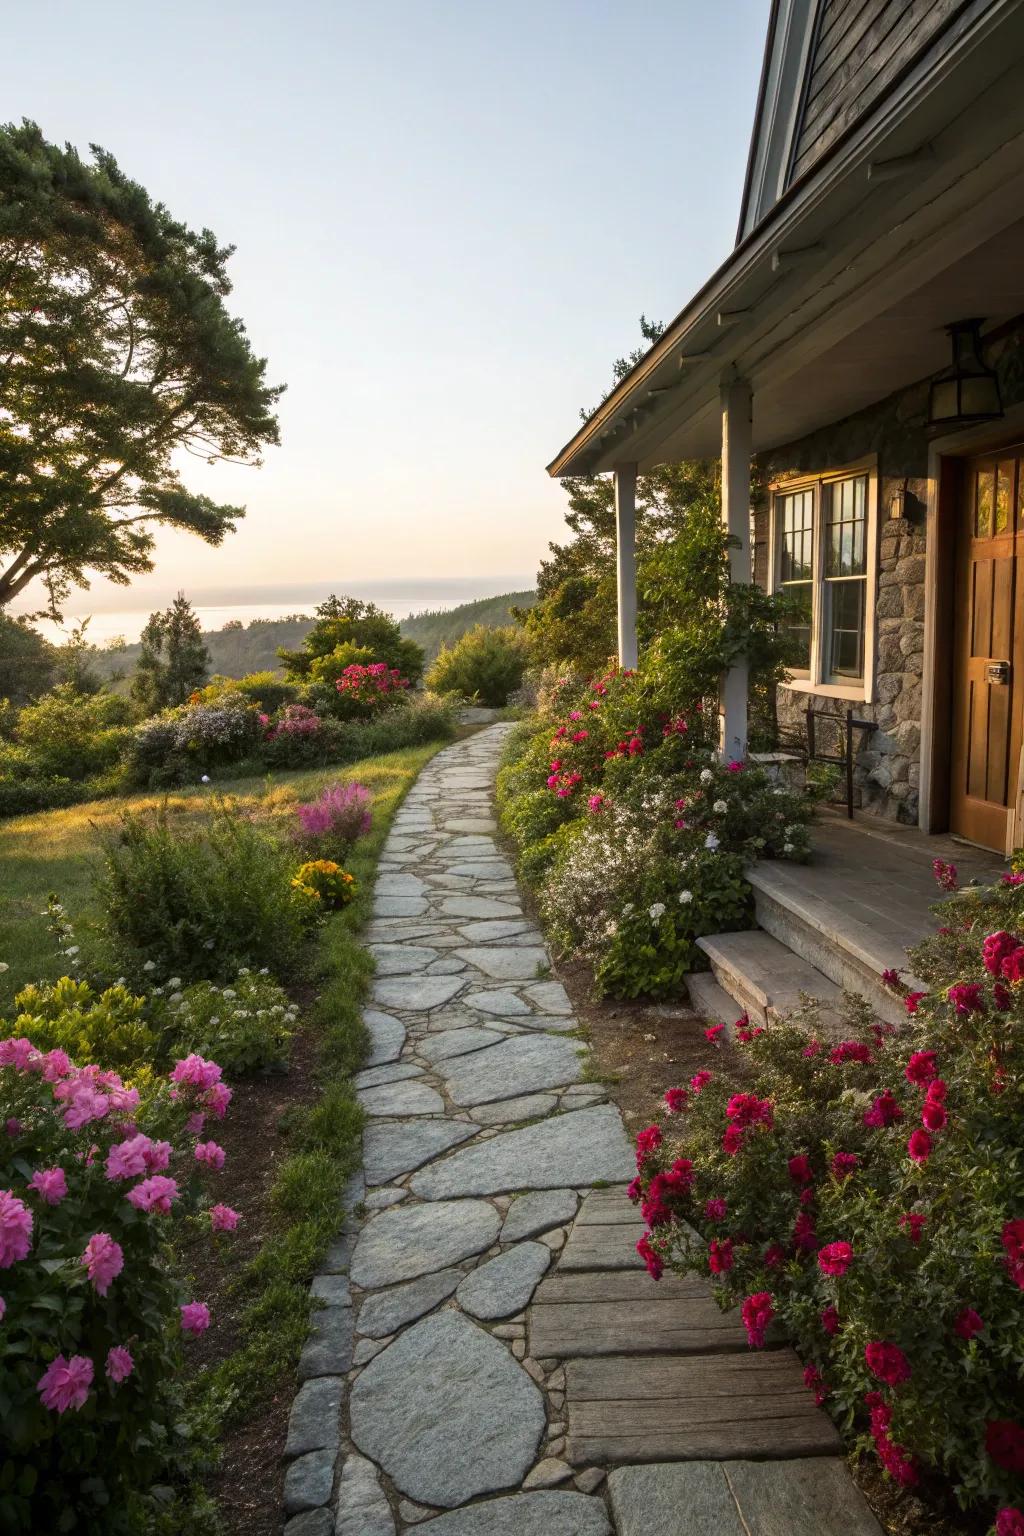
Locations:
(898, 502)
(967, 391)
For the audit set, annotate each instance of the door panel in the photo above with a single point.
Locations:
(988, 666)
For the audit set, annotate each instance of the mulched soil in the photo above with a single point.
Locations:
(247, 1482)
(642, 1048)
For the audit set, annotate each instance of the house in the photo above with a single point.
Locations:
(863, 345)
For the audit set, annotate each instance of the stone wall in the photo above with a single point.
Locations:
(888, 762)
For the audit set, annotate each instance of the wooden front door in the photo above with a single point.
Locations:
(988, 657)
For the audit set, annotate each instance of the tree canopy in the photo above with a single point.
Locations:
(116, 350)
(346, 631)
(174, 662)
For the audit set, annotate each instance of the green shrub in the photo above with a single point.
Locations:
(197, 902)
(180, 745)
(484, 664)
(109, 1028)
(67, 734)
(245, 1027)
(267, 691)
(873, 1200)
(20, 796)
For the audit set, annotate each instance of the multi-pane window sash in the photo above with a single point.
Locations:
(821, 559)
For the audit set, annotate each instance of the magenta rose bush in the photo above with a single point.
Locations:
(95, 1177)
(867, 1196)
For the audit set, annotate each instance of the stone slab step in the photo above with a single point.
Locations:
(827, 932)
(711, 1000)
(693, 1408)
(764, 976)
(808, 1497)
(610, 1313)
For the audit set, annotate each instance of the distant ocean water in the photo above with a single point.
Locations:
(216, 608)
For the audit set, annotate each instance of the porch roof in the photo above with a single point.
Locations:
(842, 294)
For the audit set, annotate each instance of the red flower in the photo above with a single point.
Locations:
(919, 1147)
(884, 1111)
(1009, 1522)
(967, 998)
(891, 978)
(732, 1140)
(843, 1164)
(995, 949)
(746, 1109)
(757, 1312)
(887, 1362)
(814, 1380)
(774, 1255)
(714, 1209)
(912, 999)
(804, 1235)
(812, 1049)
(1004, 1442)
(712, 1032)
(945, 874)
(933, 1115)
(850, 1050)
(830, 1321)
(634, 1190)
(800, 1169)
(699, 1081)
(647, 1141)
(920, 1069)
(1013, 1246)
(967, 1324)
(720, 1258)
(913, 1223)
(675, 1100)
(655, 1268)
(835, 1259)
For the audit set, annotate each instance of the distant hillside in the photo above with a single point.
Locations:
(443, 626)
(240, 648)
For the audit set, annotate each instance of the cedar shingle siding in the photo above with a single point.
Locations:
(860, 50)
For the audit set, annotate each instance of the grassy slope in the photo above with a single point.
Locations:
(57, 851)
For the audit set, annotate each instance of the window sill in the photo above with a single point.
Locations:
(853, 693)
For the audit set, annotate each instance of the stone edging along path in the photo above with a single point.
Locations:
(488, 1344)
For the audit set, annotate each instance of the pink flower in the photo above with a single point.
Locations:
(712, 1033)
(1009, 1521)
(65, 1383)
(223, 1218)
(595, 803)
(13, 1127)
(774, 1255)
(1012, 1239)
(15, 1228)
(634, 1189)
(119, 1363)
(920, 1069)
(17, 1054)
(104, 1260)
(800, 1169)
(757, 1312)
(700, 1080)
(195, 1072)
(887, 1362)
(210, 1153)
(194, 1124)
(891, 978)
(814, 1380)
(945, 875)
(835, 1259)
(647, 1141)
(732, 1141)
(811, 1049)
(804, 1235)
(843, 1164)
(933, 1115)
(217, 1099)
(967, 1324)
(912, 1001)
(127, 1159)
(50, 1184)
(967, 998)
(993, 952)
(195, 1317)
(919, 1147)
(714, 1209)
(155, 1194)
(830, 1321)
(675, 1100)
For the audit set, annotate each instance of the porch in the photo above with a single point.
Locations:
(836, 923)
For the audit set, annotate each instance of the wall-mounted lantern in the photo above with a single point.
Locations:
(968, 390)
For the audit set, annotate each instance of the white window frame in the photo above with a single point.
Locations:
(814, 680)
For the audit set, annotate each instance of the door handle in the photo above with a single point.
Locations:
(997, 672)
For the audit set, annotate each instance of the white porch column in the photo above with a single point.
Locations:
(736, 446)
(625, 560)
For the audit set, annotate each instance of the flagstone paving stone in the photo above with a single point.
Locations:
(447, 1413)
(391, 1150)
(414, 1240)
(501, 1334)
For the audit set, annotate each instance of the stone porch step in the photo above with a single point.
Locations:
(819, 928)
(710, 1000)
(766, 978)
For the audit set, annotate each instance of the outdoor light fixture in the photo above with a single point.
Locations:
(967, 391)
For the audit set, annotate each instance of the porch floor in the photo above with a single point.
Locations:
(879, 874)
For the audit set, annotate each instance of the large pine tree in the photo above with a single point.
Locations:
(174, 661)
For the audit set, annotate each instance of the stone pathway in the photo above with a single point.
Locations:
(490, 1358)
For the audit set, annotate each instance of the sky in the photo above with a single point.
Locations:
(449, 216)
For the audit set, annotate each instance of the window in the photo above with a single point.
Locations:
(823, 550)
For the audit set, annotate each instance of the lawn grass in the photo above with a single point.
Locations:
(57, 851)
